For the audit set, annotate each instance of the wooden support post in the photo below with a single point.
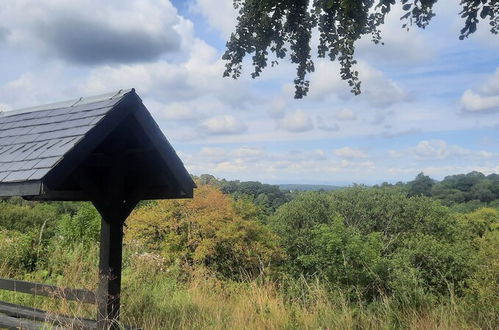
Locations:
(108, 294)
(112, 207)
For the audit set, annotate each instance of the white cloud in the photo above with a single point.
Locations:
(441, 150)
(4, 107)
(93, 31)
(165, 81)
(224, 124)
(395, 154)
(389, 134)
(34, 88)
(179, 112)
(249, 153)
(377, 90)
(220, 14)
(326, 124)
(213, 154)
(432, 149)
(250, 163)
(234, 166)
(485, 154)
(475, 103)
(196, 80)
(400, 46)
(350, 153)
(345, 114)
(491, 85)
(485, 99)
(277, 108)
(297, 121)
(318, 154)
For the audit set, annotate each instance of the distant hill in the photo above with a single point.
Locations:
(307, 187)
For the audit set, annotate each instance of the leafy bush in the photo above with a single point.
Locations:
(441, 267)
(479, 222)
(18, 252)
(391, 213)
(318, 243)
(483, 291)
(376, 241)
(23, 216)
(82, 227)
(345, 257)
(205, 231)
(295, 223)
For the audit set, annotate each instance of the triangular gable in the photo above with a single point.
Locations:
(44, 150)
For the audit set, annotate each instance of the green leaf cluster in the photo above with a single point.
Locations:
(284, 28)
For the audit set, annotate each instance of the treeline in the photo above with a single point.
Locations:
(463, 192)
(269, 197)
(247, 254)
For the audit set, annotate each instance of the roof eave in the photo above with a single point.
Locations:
(23, 188)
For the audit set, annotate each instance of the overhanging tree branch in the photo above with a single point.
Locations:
(285, 27)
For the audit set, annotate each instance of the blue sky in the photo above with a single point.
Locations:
(429, 102)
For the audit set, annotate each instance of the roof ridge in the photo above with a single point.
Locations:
(69, 103)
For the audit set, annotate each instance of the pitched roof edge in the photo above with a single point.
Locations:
(70, 103)
(176, 166)
(99, 132)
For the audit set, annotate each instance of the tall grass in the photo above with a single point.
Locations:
(207, 303)
(160, 296)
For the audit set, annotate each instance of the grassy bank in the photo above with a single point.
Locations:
(160, 297)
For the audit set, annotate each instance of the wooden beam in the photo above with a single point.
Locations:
(61, 195)
(30, 314)
(26, 188)
(155, 192)
(9, 322)
(81, 295)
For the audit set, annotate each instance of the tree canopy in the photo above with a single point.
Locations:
(285, 27)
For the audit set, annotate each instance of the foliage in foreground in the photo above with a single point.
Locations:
(156, 296)
(352, 258)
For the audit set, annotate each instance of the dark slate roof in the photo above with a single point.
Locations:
(46, 150)
(33, 140)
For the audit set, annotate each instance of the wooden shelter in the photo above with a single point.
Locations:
(105, 149)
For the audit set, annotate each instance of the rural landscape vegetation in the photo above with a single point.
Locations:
(422, 253)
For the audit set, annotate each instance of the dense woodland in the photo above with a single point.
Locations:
(421, 254)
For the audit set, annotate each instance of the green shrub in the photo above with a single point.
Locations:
(319, 243)
(18, 251)
(82, 227)
(439, 267)
(377, 242)
(346, 258)
(483, 291)
(390, 212)
(23, 216)
(207, 231)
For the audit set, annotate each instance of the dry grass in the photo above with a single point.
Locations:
(155, 297)
(206, 303)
